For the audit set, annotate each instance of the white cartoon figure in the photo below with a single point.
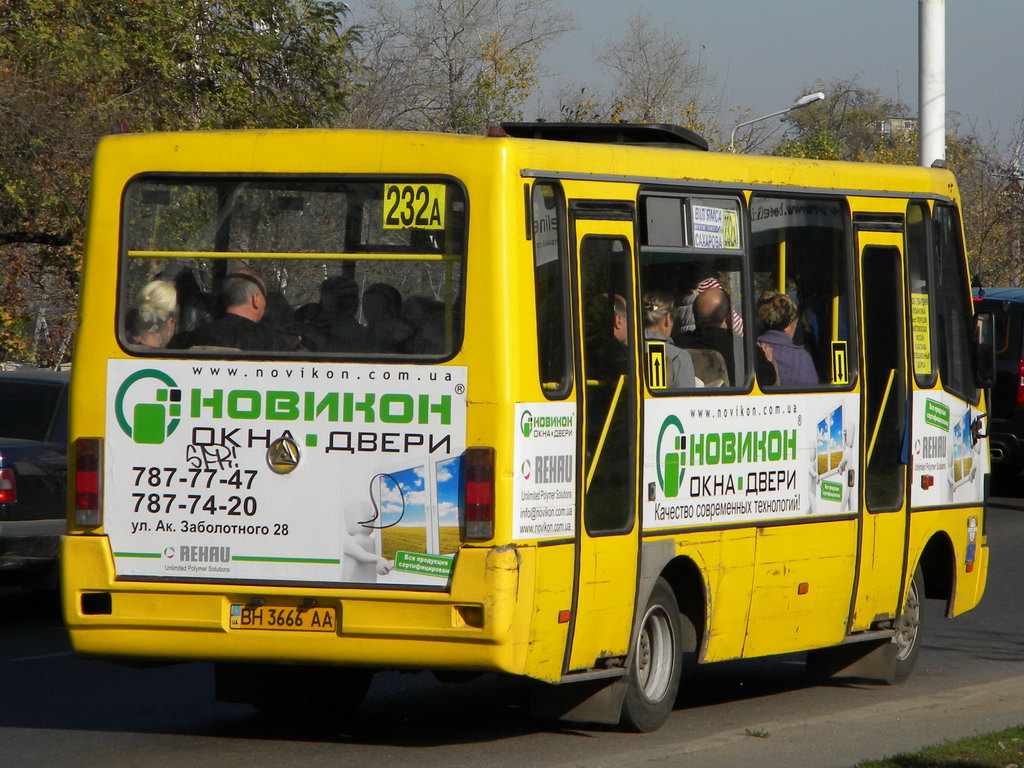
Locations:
(361, 557)
(830, 470)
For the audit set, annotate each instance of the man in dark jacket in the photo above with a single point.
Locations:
(245, 301)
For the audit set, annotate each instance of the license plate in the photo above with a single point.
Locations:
(287, 618)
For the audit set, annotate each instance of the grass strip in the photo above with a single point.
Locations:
(1003, 749)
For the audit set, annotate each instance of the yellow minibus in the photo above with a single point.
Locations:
(579, 404)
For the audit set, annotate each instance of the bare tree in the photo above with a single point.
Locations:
(993, 197)
(659, 78)
(451, 65)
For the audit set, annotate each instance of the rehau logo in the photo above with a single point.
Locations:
(203, 554)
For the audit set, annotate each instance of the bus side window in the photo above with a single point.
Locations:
(922, 333)
(693, 266)
(548, 218)
(802, 294)
(954, 323)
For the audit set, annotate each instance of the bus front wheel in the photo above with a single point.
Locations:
(656, 666)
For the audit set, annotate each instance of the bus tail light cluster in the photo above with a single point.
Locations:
(478, 491)
(8, 486)
(88, 482)
(972, 544)
(1020, 383)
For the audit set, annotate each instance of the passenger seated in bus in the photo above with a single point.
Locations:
(333, 318)
(382, 306)
(424, 315)
(735, 321)
(684, 322)
(778, 315)
(196, 307)
(280, 317)
(659, 316)
(712, 311)
(619, 324)
(245, 302)
(606, 335)
(154, 321)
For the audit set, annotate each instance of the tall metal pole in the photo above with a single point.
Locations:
(932, 83)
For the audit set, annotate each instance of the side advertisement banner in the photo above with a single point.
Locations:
(712, 462)
(544, 482)
(949, 464)
(284, 472)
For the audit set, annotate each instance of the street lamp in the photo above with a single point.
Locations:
(803, 101)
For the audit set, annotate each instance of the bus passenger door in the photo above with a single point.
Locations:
(885, 418)
(607, 530)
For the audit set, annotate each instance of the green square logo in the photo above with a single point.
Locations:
(149, 423)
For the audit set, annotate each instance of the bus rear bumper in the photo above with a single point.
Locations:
(470, 627)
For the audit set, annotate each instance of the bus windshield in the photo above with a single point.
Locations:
(357, 268)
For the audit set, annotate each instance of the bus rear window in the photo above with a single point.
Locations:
(292, 267)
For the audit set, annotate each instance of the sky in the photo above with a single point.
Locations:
(761, 52)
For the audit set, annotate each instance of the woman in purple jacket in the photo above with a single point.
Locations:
(778, 315)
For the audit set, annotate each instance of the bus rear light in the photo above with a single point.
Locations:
(8, 486)
(972, 544)
(478, 491)
(1020, 383)
(88, 482)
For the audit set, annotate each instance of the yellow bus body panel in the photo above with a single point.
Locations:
(506, 605)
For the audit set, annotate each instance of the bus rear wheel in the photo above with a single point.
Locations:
(908, 629)
(656, 666)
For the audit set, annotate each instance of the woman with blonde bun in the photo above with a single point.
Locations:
(155, 319)
(659, 316)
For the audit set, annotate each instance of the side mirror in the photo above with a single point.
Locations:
(985, 350)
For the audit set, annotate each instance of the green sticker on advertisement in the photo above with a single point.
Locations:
(429, 565)
(936, 414)
(831, 491)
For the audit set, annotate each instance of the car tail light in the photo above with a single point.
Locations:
(478, 474)
(8, 486)
(88, 482)
(1020, 383)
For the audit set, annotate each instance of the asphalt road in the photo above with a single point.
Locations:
(56, 709)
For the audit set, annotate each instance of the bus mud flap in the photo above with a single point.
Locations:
(588, 701)
(868, 660)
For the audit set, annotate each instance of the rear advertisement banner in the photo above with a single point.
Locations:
(259, 471)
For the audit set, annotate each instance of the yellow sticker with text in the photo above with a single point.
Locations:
(922, 332)
(414, 206)
(730, 230)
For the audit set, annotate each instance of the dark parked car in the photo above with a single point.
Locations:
(1006, 409)
(33, 472)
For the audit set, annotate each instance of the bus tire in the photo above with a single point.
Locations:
(908, 629)
(656, 667)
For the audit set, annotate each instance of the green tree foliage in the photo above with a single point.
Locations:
(844, 126)
(73, 70)
(848, 125)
